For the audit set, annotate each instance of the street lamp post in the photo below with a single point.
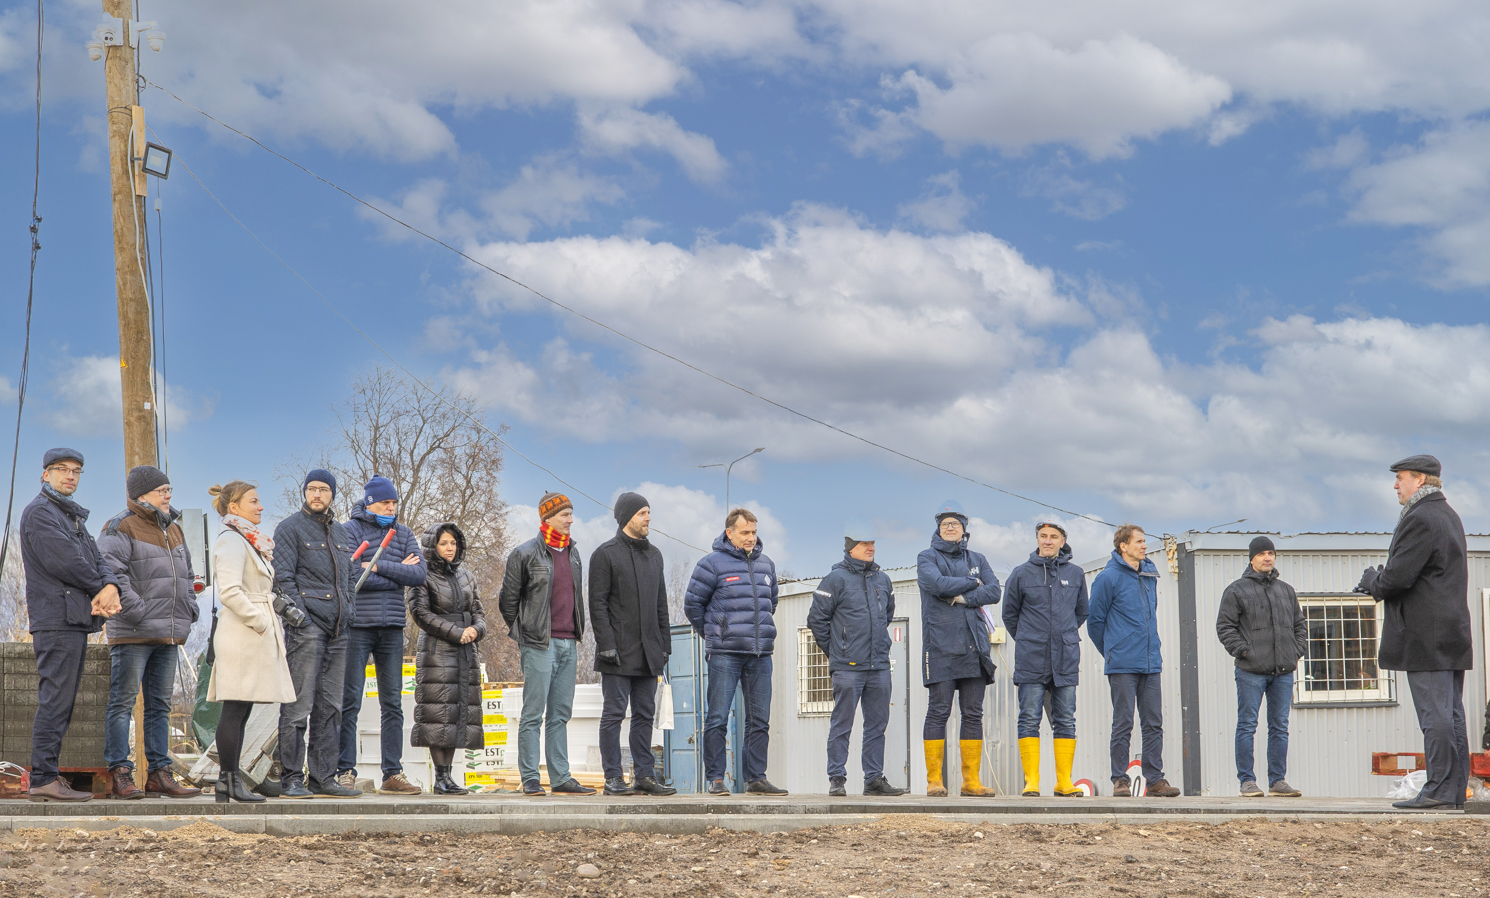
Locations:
(727, 469)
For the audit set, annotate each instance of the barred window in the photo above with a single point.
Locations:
(814, 680)
(1339, 664)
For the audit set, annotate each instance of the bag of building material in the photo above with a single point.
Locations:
(1409, 786)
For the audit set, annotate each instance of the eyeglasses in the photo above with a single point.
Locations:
(161, 490)
(67, 469)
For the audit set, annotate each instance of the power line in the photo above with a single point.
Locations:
(627, 337)
(30, 293)
(399, 365)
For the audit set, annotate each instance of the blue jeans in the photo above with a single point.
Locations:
(130, 666)
(969, 692)
(851, 688)
(385, 646)
(310, 726)
(1129, 689)
(1036, 698)
(548, 702)
(727, 671)
(1250, 688)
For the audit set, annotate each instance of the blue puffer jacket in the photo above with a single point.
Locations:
(1044, 607)
(731, 600)
(381, 601)
(1124, 622)
(850, 615)
(954, 638)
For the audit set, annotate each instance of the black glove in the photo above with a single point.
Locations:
(1368, 580)
(291, 613)
(609, 655)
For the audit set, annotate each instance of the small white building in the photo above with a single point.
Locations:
(1344, 707)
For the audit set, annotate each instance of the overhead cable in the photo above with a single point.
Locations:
(627, 337)
(30, 294)
(399, 365)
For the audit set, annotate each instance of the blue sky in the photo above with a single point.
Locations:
(1172, 263)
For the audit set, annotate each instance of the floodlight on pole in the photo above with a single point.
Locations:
(156, 161)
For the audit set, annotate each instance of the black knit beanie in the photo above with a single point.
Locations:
(142, 479)
(627, 505)
(1259, 544)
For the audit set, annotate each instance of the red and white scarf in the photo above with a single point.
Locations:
(553, 537)
(261, 543)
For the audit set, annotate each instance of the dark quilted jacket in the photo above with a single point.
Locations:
(313, 568)
(64, 569)
(732, 599)
(447, 682)
(381, 601)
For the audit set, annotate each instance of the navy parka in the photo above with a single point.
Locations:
(954, 638)
(1045, 604)
(850, 615)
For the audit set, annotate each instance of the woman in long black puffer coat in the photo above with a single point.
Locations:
(447, 683)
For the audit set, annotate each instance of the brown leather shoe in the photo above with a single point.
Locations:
(122, 784)
(58, 790)
(1161, 789)
(164, 783)
(1122, 788)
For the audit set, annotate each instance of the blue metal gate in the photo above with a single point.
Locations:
(683, 745)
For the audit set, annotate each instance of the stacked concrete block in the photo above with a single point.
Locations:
(83, 745)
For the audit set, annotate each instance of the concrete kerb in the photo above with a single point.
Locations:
(674, 824)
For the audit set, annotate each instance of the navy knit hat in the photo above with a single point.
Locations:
(319, 475)
(627, 505)
(379, 489)
(141, 479)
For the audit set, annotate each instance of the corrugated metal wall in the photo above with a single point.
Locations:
(1329, 747)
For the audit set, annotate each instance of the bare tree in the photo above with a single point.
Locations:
(429, 440)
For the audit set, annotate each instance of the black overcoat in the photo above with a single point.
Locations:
(628, 607)
(1425, 586)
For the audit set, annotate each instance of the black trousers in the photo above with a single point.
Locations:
(641, 693)
(1438, 696)
(969, 692)
(230, 729)
(59, 668)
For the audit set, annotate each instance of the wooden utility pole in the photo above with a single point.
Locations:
(126, 125)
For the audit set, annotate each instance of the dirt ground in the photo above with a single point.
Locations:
(902, 855)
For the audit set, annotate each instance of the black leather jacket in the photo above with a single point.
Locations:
(1261, 625)
(527, 586)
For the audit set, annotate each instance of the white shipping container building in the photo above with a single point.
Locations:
(1344, 707)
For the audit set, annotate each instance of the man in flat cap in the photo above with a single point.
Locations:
(70, 590)
(1425, 585)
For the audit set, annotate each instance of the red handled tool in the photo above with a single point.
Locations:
(387, 538)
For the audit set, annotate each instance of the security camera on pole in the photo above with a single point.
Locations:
(116, 41)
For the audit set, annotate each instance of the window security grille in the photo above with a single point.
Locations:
(814, 680)
(1339, 664)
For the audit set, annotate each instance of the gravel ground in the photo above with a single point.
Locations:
(903, 855)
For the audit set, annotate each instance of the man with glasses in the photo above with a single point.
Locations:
(147, 551)
(70, 590)
(313, 570)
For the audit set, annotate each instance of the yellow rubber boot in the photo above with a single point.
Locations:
(1065, 754)
(936, 752)
(972, 762)
(1029, 754)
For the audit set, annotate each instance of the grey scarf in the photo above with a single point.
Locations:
(1423, 492)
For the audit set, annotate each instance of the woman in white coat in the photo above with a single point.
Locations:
(248, 643)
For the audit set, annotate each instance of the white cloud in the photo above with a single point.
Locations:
(1013, 91)
(8, 393)
(943, 207)
(85, 400)
(618, 129)
(693, 517)
(1441, 187)
(945, 347)
(1072, 196)
(1009, 545)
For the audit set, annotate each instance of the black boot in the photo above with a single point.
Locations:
(230, 785)
(444, 785)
